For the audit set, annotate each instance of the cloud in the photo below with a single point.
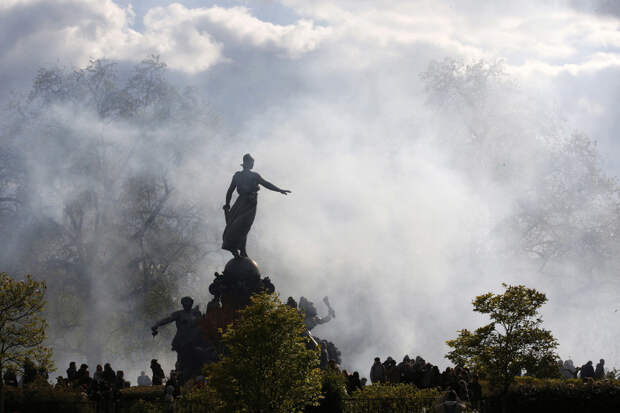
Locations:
(594, 63)
(175, 26)
(66, 32)
(237, 25)
(35, 32)
(533, 38)
(602, 7)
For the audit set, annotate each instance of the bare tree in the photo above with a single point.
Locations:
(565, 208)
(109, 230)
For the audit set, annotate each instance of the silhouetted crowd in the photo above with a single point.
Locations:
(30, 374)
(425, 375)
(105, 383)
(459, 380)
(587, 371)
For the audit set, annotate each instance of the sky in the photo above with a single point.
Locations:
(568, 49)
(327, 95)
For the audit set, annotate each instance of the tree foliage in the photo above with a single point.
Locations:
(22, 328)
(512, 342)
(268, 366)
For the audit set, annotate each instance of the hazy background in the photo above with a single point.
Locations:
(412, 193)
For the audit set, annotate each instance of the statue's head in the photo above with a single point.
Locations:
(187, 303)
(291, 302)
(248, 161)
(307, 307)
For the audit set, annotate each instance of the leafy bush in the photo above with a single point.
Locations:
(143, 406)
(391, 398)
(267, 365)
(200, 399)
(41, 397)
(333, 393)
(545, 395)
(148, 393)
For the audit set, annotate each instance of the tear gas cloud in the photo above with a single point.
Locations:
(403, 195)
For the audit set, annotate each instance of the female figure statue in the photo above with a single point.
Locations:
(240, 217)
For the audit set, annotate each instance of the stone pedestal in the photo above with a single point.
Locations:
(231, 291)
(234, 287)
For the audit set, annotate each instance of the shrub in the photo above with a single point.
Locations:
(391, 398)
(533, 395)
(333, 393)
(40, 397)
(200, 399)
(267, 366)
(143, 406)
(147, 393)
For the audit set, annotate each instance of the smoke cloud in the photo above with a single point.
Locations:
(417, 182)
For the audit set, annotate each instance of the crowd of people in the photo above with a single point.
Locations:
(106, 383)
(569, 371)
(30, 373)
(425, 375)
(459, 380)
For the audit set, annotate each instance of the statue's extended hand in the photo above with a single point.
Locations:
(285, 192)
(154, 331)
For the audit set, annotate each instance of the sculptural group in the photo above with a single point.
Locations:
(197, 340)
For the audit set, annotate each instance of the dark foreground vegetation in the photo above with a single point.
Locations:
(270, 366)
(525, 395)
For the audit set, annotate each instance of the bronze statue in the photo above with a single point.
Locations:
(240, 217)
(188, 342)
(311, 318)
(329, 351)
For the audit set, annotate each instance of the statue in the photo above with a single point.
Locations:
(311, 318)
(240, 217)
(192, 350)
(329, 351)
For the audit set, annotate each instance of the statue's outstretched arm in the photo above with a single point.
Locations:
(162, 322)
(271, 186)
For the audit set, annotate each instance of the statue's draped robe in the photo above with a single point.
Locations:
(188, 331)
(240, 218)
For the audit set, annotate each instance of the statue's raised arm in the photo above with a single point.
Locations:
(240, 217)
(188, 341)
(163, 322)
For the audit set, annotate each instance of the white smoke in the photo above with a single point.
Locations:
(397, 213)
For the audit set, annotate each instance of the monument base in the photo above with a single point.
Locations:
(231, 291)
